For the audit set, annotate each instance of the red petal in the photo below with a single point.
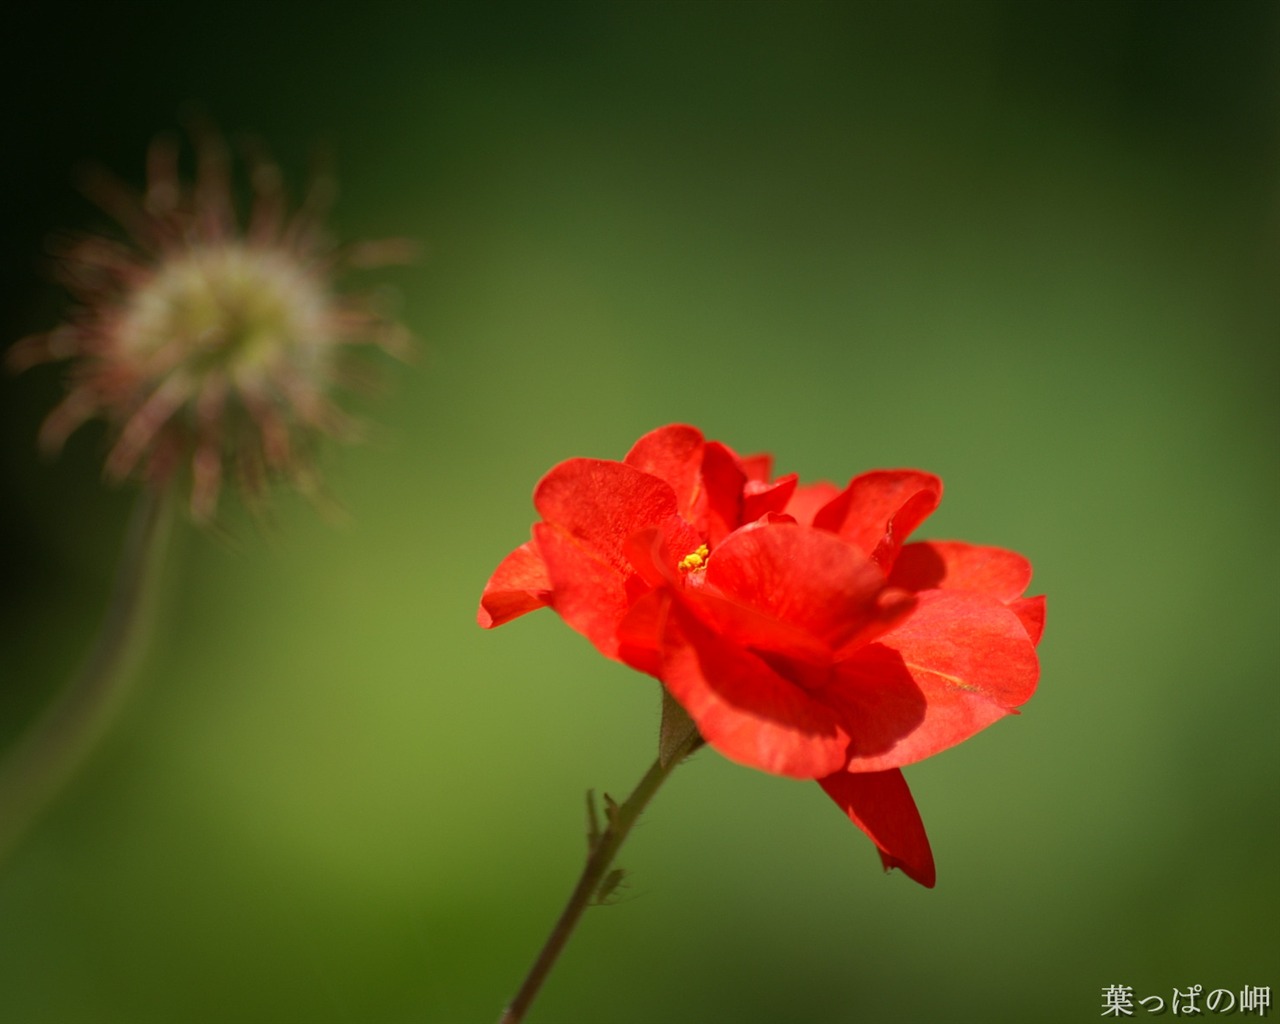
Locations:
(760, 498)
(759, 467)
(809, 498)
(1031, 611)
(520, 584)
(599, 504)
(959, 663)
(878, 510)
(706, 477)
(880, 804)
(673, 454)
(719, 512)
(743, 708)
(952, 565)
(640, 633)
(587, 591)
(804, 580)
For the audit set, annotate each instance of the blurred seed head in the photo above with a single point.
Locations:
(211, 344)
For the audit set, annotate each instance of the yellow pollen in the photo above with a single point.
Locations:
(695, 560)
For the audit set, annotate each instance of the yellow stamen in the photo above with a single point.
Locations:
(695, 560)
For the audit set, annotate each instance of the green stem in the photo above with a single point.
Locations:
(45, 759)
(603, 848)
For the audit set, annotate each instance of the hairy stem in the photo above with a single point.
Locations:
(603, 846)
(44, 760)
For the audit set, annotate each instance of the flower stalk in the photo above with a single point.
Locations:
(55, 746)
(602, 846)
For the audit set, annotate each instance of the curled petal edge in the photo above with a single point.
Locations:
(955, 565)
(880, 803)
(519, 585)
(1030, 612)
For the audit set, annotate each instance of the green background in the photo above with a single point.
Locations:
(1030, 247)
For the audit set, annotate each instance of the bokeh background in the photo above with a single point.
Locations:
(1029, 246)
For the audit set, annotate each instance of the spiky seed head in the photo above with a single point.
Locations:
(211, 346)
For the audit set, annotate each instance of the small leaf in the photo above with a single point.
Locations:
(609, 886)
(610, 810)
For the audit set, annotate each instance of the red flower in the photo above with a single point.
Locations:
(793, 624)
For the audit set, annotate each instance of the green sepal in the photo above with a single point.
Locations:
(676, 731)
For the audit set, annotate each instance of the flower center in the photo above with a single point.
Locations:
(230, 308)
(695, 559)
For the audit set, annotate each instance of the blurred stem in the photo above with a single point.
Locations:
(603, 846)
(57, 743)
